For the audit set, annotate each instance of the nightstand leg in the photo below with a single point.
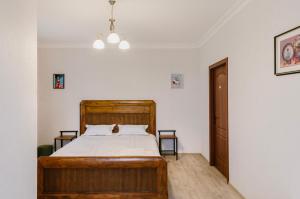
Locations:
(176, 149)
(61, 143)
(174, 146)
(54, 144)
(159, 145)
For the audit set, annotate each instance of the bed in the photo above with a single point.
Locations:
(114, 172)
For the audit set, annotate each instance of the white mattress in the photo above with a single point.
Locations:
(110, 146)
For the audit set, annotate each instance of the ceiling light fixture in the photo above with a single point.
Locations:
(98, 43)
(113, 37)
(124, 45)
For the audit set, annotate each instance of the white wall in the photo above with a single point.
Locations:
(263, 109)
(112, 74)
(18, 105)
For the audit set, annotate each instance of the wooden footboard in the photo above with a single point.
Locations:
(102, 178)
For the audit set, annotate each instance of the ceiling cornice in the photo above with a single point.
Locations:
(134, 46)
(230, 13)
(234, 10)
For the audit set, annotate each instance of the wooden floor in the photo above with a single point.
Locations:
(191, 177)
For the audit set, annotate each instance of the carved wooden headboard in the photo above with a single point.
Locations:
(138, 112)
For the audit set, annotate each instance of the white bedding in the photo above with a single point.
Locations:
(110, 146)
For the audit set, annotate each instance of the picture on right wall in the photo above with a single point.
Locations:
(177, 81)
(287, 52)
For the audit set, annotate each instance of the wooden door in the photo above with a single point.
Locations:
(219, 117)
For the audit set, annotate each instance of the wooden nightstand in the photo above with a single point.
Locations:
(168, 137)
(63, 138)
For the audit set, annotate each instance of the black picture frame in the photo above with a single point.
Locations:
(277, 49)
(59, 81)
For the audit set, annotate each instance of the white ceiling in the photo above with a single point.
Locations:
(142, 22)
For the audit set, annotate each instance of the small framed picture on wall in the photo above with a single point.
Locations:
(177, 81)
(58, 81)
(287, 52)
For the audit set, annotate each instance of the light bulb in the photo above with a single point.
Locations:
(113, 38)
(124, 45)
(99, 44)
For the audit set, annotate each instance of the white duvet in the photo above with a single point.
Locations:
(110, 146)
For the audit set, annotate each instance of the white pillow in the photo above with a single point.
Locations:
(99, 129)
(133, 129)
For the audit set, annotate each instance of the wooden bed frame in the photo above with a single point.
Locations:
(106, 177)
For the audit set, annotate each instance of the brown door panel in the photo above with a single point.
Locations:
(219, 117)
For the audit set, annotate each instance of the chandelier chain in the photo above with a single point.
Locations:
(112, 19)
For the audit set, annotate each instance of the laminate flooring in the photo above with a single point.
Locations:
(191, 177)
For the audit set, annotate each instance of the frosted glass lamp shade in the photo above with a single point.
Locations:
(124, 45)
(99, 44)
(113, 38)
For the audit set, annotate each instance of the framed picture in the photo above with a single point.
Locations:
(58, 81)
(177, 81)
(287, 52)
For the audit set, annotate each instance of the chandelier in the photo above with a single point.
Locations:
(113, 37)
